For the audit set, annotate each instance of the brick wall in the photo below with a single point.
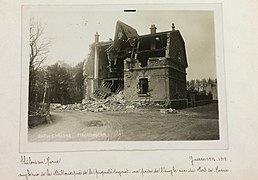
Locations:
(157, 82)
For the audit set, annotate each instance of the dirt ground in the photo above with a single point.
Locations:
(198, 123)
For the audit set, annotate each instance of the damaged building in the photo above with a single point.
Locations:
(150, 67)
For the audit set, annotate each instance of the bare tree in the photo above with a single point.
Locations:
(39, 49)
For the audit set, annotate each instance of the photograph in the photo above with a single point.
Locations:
(119, 90)
(124, 75)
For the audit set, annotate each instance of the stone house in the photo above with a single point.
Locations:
(149, 67)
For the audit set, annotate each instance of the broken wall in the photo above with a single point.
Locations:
(103, 63)
(157, 74)
(157, 85)
(166, 83)
(88, 73)
(91, 84)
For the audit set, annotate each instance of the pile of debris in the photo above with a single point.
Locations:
(111, 103)
(168, 111)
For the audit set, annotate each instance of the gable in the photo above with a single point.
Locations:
(124, 35)
(177, 49)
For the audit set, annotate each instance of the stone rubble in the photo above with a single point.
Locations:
(112, 103)
(168, 111)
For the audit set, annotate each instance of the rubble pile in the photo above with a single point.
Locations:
(112, 103)
(168, 111)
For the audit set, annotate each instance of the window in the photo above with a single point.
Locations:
(143, 86)
(158, 43)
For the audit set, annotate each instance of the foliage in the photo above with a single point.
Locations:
(39, 88)
(200, 85)
(59, 83)
(65, 83)
(78, 82)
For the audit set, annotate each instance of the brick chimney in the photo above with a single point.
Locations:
(173, 26)
(153, 29)
(96, 37)
(153, 39)
(96, 57)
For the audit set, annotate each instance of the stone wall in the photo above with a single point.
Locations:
(103, 63)
(91, 84)
(166, 83)
(157, 83)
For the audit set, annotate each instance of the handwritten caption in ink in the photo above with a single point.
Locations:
(48, 167)
(45, 161)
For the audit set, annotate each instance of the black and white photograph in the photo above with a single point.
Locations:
(121, 90)
(123, 75)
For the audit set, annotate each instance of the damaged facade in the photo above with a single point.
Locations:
(149, 67)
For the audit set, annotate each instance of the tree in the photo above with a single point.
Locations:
(58, 78)
(209, 81)
(39, 49)
(78, 81)
(192, 84)
(65, 82)
(188, 85)
(198, 84)
(204, 84)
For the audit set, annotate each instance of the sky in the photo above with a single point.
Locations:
(71, 33)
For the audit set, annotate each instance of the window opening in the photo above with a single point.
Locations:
(143, 85)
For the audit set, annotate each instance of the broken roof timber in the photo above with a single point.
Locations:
(124, 29)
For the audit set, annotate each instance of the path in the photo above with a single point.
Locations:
(199, 123)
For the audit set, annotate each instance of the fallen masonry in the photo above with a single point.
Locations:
(112, 103)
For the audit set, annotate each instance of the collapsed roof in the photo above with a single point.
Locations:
(123, 29)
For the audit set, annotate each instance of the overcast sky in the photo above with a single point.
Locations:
(71, 33)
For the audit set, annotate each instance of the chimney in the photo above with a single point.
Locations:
(96, 37)
(173, 26)
(96, 57)
(153, 29)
